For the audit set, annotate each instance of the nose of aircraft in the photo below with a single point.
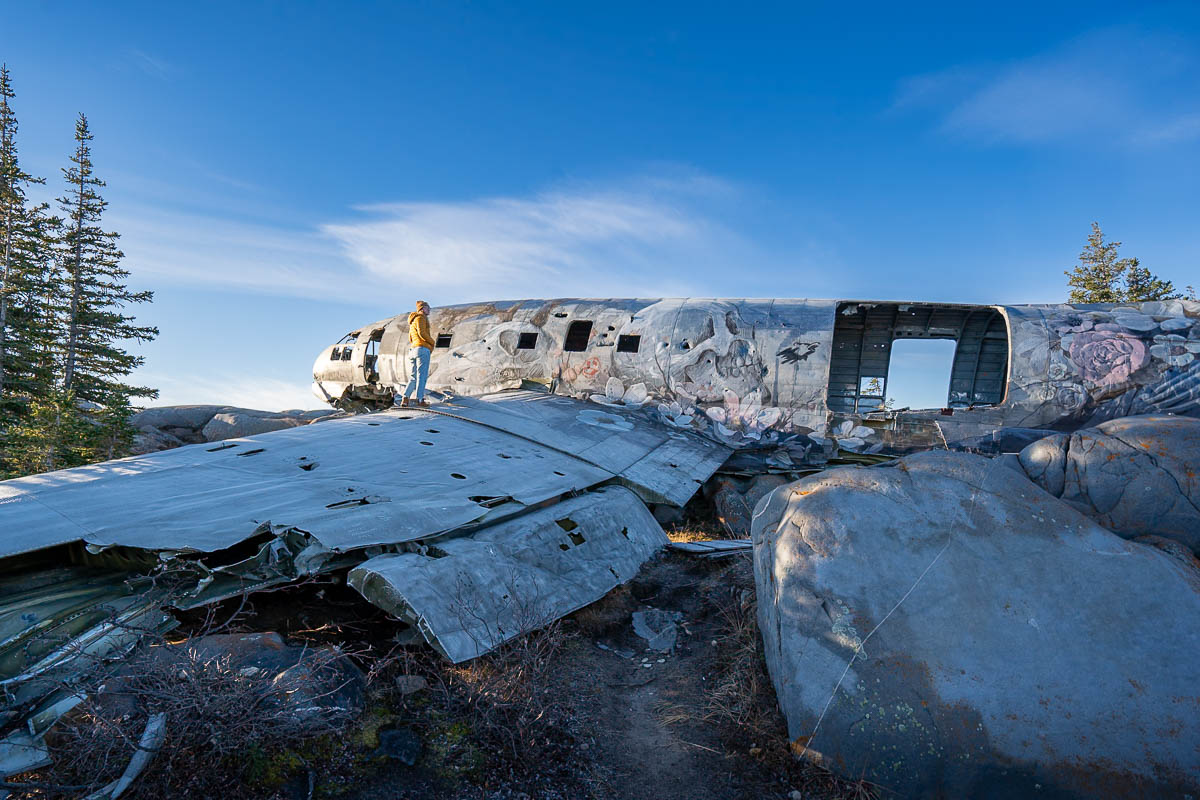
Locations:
(325, 385)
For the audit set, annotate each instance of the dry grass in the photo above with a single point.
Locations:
(215, 715)
(507, 696)
(740, 694)
(740, 701)
(501, 704)
(217, 712)
(697, 529)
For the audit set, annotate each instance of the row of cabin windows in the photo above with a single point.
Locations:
(578, 333)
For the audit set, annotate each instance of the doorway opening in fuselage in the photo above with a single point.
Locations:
(892, 356)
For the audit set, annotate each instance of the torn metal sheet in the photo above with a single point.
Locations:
(65, 622)
(20, 751)
(717, 548)
(470, 594)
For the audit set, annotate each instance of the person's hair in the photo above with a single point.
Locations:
(422, 304)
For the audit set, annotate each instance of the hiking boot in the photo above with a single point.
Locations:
(422, 404)
(403, 402)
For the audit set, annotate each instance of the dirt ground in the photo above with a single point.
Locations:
(697, 723)
(582, 709)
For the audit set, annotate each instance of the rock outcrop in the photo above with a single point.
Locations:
(1136, 476)
(946, 628)
(171, 426)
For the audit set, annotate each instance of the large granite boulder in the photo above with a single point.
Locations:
(194, 417)
(151, 440)
(946, 628)
(1136, 476)
(244, 422)
(171, 426)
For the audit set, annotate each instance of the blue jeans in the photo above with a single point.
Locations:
(418, 371)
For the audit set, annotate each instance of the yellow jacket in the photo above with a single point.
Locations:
(418, 330)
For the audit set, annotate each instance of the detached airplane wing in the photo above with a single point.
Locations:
(475, 522)
(335, 490)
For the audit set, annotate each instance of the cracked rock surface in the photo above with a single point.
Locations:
(1136, 476)
(165, 427)
(945, 627)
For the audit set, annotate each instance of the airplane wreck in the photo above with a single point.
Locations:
(565, 431)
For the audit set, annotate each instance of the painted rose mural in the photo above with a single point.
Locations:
(1108, 357)
(1125, 361)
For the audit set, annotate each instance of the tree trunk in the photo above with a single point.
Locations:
(73, 329)
(4, 291)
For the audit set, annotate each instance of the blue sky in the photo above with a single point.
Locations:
(284, 172)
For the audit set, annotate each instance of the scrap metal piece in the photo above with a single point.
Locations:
(475, 593)
(658, 627)
(717, 548)
(153, 736)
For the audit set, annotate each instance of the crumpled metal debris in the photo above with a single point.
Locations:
(481, 495)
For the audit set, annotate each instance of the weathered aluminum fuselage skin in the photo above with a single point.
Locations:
(752, 370)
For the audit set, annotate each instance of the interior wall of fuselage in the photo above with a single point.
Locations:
(863, 336)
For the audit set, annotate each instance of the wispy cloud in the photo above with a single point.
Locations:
(1182, 128)
(243, 391)
(934, 88)
(1114, 86)
(649, 235)
(201, 249)
(562, 241)
(151, 65)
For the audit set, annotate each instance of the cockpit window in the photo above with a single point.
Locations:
(527, 341)
(578, 333)
(349, 338)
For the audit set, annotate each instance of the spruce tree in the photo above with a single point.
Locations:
(1141, 286)
(53, 435)
(1102, 277)
(94, 363)
(26, 278)
(1097, 276)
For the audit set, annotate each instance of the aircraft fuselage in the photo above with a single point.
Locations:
(748, 371)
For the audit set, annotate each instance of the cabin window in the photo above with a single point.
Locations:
(443, 340)
(578, 333)
(628, 344)
(527, 341)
